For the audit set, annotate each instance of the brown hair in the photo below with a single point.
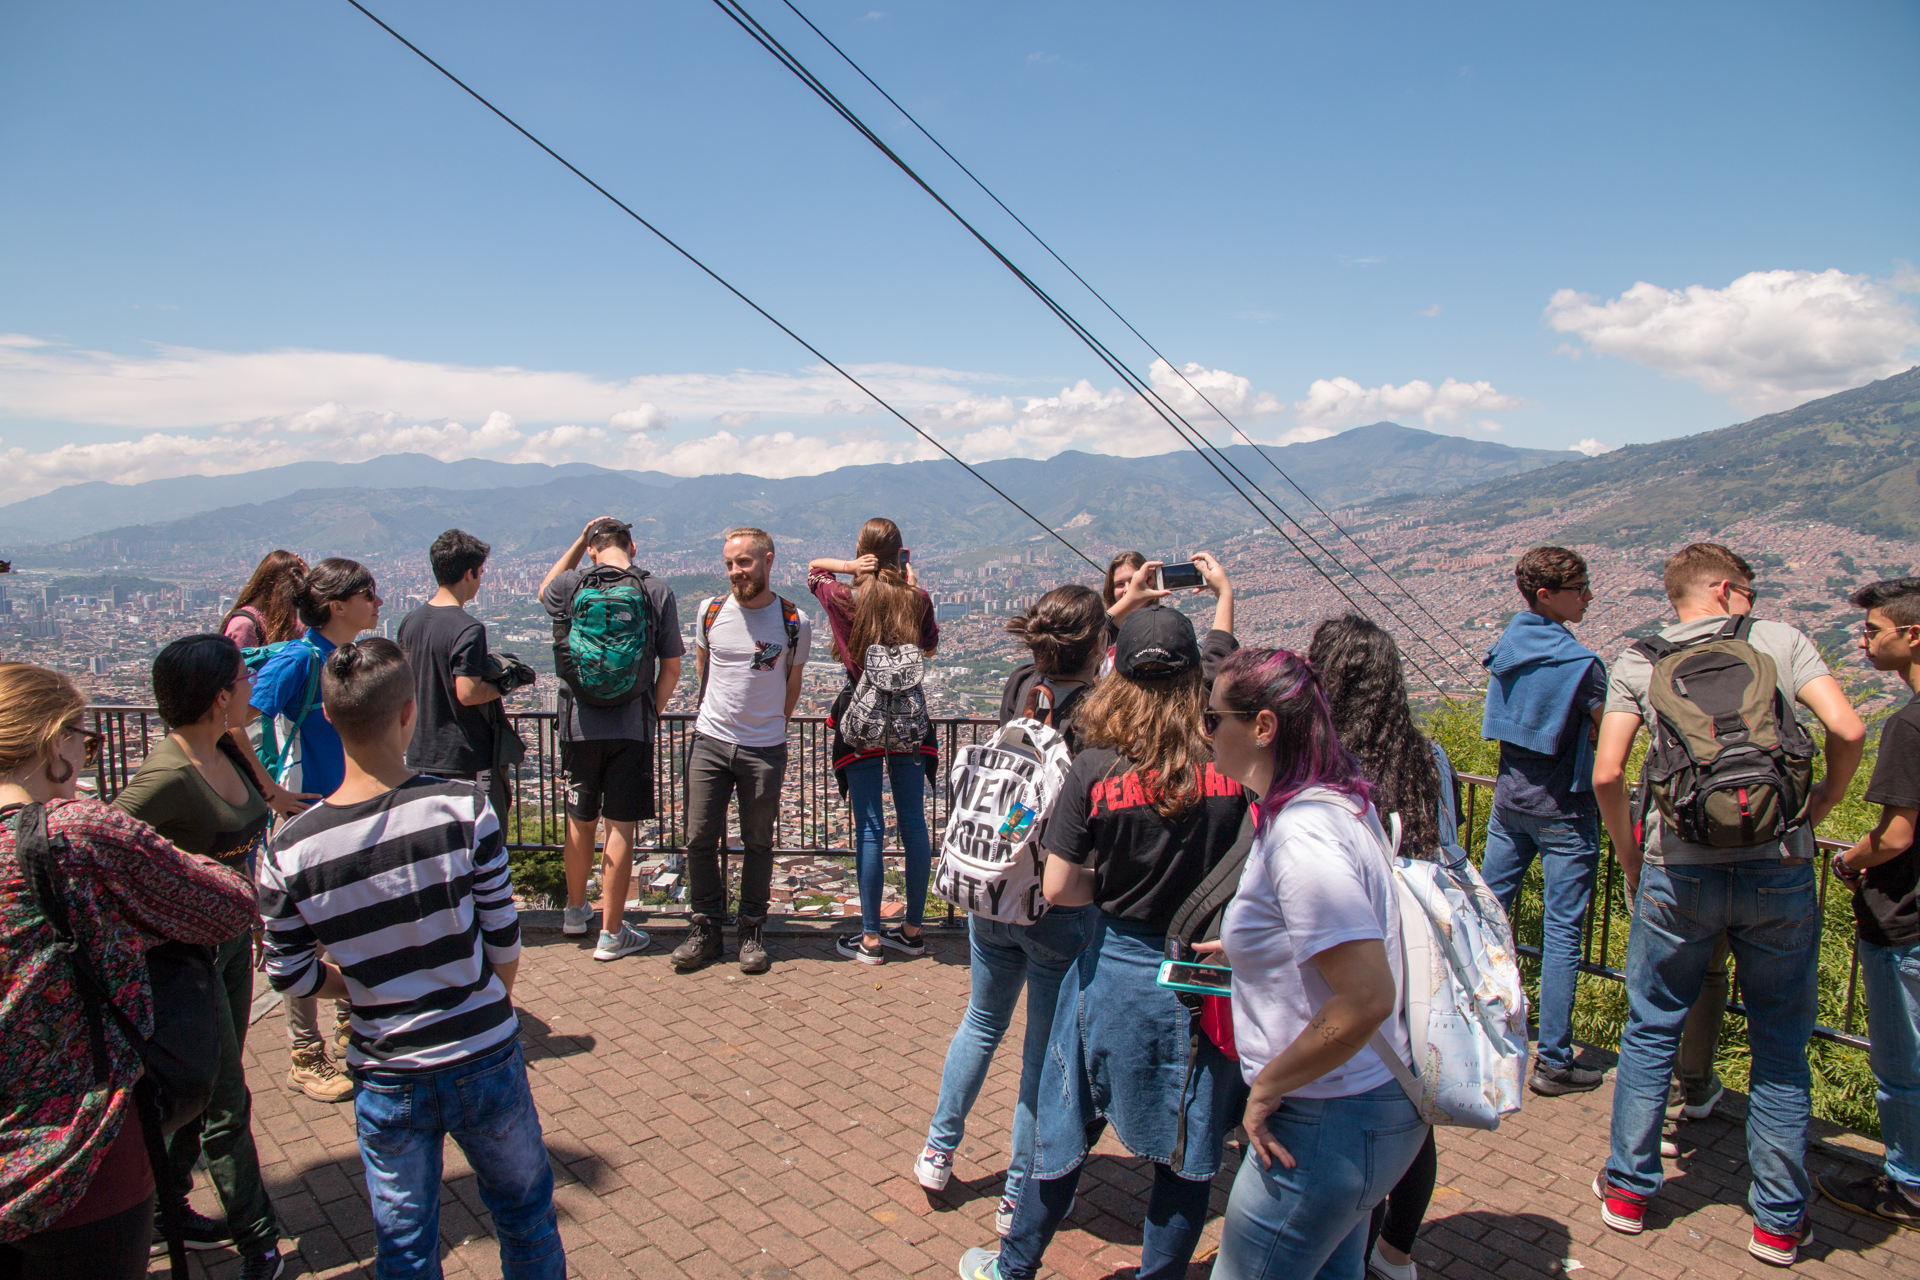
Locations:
(885, 610)
(1064, 628)
(270, 591)
(1702, 562)
(1108, 592)
(1547, 569)
(35, 706)
(1155, 724)
(363, 686)
(762, 540)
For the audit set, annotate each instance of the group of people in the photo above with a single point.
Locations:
(331, 807)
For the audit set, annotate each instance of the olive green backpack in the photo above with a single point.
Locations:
(1730, 767)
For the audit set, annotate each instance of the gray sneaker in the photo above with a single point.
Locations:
(574, 919)
(624, 943)
(1702, 1098)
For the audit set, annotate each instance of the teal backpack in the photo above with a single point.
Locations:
(274, 753)
(599, 647)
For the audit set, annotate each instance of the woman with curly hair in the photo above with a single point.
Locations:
(1142, 818)
(1360, 670)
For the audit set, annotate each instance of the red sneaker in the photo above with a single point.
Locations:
(1620, 1208)
(1769, 1246)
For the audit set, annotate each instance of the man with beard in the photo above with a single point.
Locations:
(752, 649)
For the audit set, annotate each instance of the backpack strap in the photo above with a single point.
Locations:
(707, 617)
(1200, 913)
(1040, 691)
(311, 699)
(790, 618)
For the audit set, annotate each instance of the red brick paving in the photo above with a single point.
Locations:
(716, 1126)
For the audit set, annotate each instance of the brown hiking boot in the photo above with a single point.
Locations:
(753, 952)
(702, 947)
(342, 1031)
(314, 1074)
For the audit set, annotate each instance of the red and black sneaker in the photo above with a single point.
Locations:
(1771, 1246)
(1621, 1209)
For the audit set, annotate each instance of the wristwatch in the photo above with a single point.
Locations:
(1841, 869)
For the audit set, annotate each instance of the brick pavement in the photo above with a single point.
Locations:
(718, 1126)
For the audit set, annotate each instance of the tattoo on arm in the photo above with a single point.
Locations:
(1329, 1032)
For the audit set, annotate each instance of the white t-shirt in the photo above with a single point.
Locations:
(747, 666)
(1316, 878)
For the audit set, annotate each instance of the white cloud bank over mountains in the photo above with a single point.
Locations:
(1768, 341)
(268, 408)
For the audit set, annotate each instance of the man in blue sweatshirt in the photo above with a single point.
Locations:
(1545, 692)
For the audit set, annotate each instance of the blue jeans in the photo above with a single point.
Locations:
(1770, 911)
(1176, 1214)
(1311, 1220)
(866, 779)
(1569, 852)
(1005, 958)
(1891, 976)
(486, 1107)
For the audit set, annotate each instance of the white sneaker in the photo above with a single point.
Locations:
(933, 1168)
(574, 919)
(625, 943)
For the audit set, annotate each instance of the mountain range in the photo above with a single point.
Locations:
(401, 502)
(1851, 459)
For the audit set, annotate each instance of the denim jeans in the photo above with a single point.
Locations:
(866, 779)
(1891, 976)
(1771, 914)
(716, 770)
(224, 1131)
(1569, 852)
(1005, 958)
(486, 1107)
(1312, 1219)
(1176, 1214)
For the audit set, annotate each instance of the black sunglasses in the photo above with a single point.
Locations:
(1210, 720)
(90, 745)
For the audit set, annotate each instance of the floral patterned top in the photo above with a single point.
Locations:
(127, 889)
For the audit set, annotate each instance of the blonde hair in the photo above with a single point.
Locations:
(761, 540)
(1155, 725)
(35, 706)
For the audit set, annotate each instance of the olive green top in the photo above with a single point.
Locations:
(169, 795)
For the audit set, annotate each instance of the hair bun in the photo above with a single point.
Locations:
(343, 660)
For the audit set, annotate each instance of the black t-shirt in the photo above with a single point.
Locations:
(1144, 866)
(441, 642)
(1887, 908)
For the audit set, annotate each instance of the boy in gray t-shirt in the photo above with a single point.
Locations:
(1685, 897)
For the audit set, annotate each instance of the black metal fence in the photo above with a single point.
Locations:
(815, 819)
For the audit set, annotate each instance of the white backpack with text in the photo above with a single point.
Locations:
(1000, 792)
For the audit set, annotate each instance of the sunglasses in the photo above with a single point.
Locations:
(90, 742)
(1210, 720)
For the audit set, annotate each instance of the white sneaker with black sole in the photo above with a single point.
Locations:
(895, 936)
(854, 947)
(625, 943)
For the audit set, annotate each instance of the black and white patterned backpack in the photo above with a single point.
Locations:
(888, 710)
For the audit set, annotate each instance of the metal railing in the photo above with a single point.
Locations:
(815, 819)
(1607, 903)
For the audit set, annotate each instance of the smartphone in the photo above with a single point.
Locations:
(1178, 577)
(905, 557)
(1201, 979)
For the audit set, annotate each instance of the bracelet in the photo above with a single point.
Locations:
(1841, 869)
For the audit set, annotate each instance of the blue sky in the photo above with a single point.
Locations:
(240, 234)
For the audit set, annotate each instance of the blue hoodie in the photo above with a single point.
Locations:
(1535, 672)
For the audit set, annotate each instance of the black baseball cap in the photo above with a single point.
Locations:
(1156, 643)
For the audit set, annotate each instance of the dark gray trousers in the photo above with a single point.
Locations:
(716, 771)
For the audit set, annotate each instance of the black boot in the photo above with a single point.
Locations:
(702, 947)
(753, 952)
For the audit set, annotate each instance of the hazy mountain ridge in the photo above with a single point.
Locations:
(1850, 459)
(1102, 501)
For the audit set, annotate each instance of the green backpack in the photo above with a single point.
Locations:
(599, 648)
(1729, 767)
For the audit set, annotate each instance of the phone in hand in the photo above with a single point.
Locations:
(1200, 979)
(905, 557)
(1178, 577)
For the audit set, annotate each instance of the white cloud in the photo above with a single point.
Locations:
(1769, 340)
(1341, 402)
(646, 417)
(1592, 447)
(735, 418)
(1431, 311)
